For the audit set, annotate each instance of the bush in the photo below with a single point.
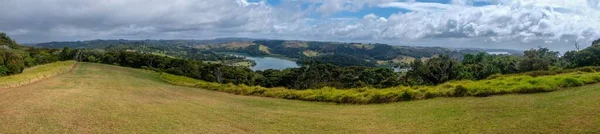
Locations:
(14, 63)
(572, 82)
(460, 91)
(493, 86)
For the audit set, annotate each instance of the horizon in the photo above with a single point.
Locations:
(448, 47)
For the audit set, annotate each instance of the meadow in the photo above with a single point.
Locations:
(532, 82)
(97, 98)
(36, 73)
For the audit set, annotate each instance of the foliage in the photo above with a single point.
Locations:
(435, 71)
(538, 59)
(14, 58)
(339, 60)
(499, 85)
(7, 42)
(586, 57)
(482, 65)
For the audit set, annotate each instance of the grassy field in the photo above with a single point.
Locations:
(95, 98)
(36, 73)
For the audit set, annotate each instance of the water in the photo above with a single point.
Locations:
(264, 63)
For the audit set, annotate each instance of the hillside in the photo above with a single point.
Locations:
(96, 98)
(352, 54)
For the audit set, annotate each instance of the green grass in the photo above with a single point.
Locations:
(95, 98)
(509, 84)
(36, 73)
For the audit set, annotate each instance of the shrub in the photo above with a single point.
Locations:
(571, 82)
(460, 91)
(506, 84)
(406, 96)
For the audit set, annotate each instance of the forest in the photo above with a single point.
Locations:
(342, 54)
(313, 74)
(351, 54)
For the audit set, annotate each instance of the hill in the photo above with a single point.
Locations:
(303, 51)
(96, 98)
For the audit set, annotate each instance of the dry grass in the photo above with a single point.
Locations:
(96, 98)
(295, 44)
(310, 53)
(37, 73)
(399, 59)
(364, 46)
(264, 49)
(236, 45)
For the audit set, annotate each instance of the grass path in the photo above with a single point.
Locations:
(37, 73)
(96, 98)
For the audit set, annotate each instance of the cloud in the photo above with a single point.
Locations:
(113, 18)
(508, 20)
(462, 21)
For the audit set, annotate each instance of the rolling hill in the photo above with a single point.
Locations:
(96, 98)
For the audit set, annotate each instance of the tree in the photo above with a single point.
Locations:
(5, 40)
(587, 57)
(538, 59)
(435, 71)
(14, 63)
(66, 54)
(596, 42)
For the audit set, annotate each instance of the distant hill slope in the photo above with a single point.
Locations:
(371, 54)
(137, 101)
(99, 44)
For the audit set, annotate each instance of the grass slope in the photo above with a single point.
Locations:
(96, 98)
(36, 73)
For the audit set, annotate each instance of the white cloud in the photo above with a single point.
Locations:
(113, 18)
(526, 21)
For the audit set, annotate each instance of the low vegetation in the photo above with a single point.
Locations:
(509, 84)
(36, 73)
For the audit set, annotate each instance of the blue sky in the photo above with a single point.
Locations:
(516, 24)
(379, 11)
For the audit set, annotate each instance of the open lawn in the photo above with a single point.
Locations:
(95, 98)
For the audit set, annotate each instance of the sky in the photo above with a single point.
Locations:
(507, 24)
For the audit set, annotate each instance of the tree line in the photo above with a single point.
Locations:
(480, 66)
